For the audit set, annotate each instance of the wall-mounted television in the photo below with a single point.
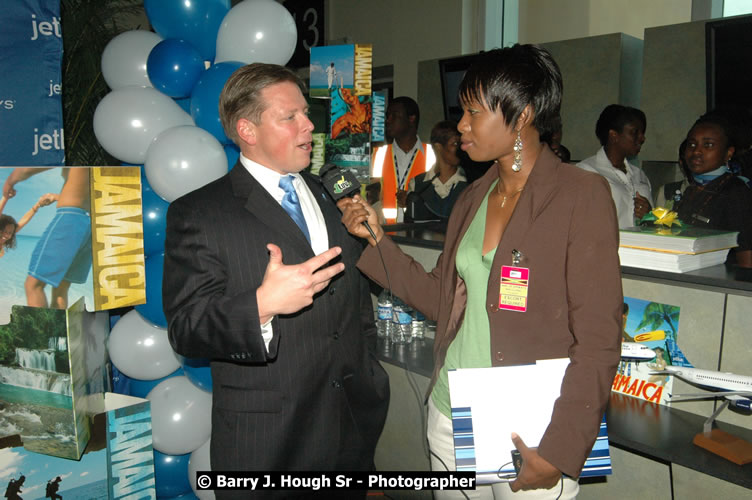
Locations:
(452, 71)
(728, 47)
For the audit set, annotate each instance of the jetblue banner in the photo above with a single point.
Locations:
(31, 112)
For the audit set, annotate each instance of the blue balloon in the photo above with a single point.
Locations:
(198, 371)
(171, 474)
(233, 153)
(196, 21)
(154, 216)
(152, 310)
(140, 388)
(205, 98)
(173, 67)
(185, 104)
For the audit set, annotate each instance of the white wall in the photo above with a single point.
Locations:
(553, 20)
(402, 32)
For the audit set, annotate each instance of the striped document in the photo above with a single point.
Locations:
(488, 404)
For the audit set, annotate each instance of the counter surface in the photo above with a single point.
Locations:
(719, 278)
(660, 432)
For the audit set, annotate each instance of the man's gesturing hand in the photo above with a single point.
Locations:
(288, 289)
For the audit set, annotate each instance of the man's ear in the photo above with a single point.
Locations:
(525, 118)
(613, 135)
(246, 130)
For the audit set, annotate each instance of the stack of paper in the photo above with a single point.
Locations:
(674, 262)
(674, 249)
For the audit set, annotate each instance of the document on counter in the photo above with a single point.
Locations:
(488, 404)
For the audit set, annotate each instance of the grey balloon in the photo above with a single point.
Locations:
(127, 120)
(182, 159)
(124, 59)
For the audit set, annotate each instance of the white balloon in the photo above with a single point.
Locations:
(124, 59)
(141, 350)
(200, 461)
(180, 416)
(182, 159)
(128, 119)
(257, 31)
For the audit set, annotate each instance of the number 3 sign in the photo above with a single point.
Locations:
(309, 21)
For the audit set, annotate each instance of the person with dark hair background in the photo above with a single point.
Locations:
(529, 213)
(431, 195)
(621, 132)
(716, 198)
(669, 194)
(553, 139)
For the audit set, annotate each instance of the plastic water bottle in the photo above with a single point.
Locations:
(384, 314)
(418, 325)
(402, 319)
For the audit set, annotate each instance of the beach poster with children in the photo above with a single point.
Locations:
(46, 241)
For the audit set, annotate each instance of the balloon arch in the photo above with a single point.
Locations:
(162, 113)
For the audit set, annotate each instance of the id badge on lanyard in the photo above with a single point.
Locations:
(514, 285)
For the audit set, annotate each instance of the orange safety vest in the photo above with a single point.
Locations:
(384, 165)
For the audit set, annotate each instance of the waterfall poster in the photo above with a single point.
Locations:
(52, 362)
(118, 462)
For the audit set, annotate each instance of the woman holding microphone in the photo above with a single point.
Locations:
(530, 211)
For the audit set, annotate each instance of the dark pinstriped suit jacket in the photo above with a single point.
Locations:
(318, 399)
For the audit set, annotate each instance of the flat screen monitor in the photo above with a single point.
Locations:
(452, 71)
(728, 45)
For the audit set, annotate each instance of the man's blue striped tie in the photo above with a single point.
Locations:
(291, 204)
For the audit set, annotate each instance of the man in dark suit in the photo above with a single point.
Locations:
(276, 303)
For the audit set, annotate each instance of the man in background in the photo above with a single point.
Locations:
(404, 158)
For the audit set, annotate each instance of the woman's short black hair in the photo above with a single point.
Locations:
(509, 79)
(615, 117)
(7, 220)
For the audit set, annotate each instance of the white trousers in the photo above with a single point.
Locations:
(441, 444)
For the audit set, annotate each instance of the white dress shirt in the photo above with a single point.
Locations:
(623, 186)
(269, 179)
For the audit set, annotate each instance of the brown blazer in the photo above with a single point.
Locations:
(565, 226)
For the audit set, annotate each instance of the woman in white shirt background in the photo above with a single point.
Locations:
(431, 195)
(621, 132)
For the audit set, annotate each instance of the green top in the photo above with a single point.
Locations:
(471, 347)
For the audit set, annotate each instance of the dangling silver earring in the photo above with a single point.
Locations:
(517, 153)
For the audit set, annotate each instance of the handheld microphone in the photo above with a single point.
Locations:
(341, 184)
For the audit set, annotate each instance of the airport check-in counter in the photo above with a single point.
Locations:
(651, 445)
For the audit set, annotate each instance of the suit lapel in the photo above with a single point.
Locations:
(268, 212)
